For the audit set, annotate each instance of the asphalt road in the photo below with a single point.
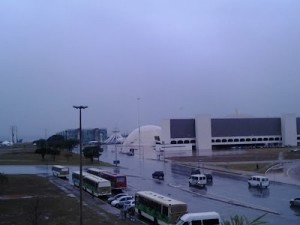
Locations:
(228, 195)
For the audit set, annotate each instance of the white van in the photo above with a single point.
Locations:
(203, 218)
(258, 181)
(197, 180)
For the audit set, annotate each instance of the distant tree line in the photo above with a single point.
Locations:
(56, 143)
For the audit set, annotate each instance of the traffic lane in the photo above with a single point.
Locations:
(178, 176)
(275, 198)
(229, 186)
(198, 202)
(233, 186)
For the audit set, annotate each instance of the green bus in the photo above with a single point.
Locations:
(158, 208)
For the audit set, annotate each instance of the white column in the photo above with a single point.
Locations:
(203, 134)
(165, 131)
(289, 129)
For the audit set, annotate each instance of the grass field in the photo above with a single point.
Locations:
(33, 200)
(244, 160)
(24, 154)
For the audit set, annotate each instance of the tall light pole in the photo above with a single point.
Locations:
(80, 156)
(138, 101)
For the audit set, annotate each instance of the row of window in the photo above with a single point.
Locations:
(183, 142)
(224, 140)
(246, 139)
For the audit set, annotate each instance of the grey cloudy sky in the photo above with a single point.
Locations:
(180, 57)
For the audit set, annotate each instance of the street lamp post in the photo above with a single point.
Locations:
(80, 156)
(138, 99)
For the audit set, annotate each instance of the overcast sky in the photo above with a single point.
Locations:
(181, 58)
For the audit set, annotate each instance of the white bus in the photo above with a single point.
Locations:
(60, 171)
(158, 208)
(76, 177)
(97, 186)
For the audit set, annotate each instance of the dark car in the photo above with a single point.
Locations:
(158, 175)
(195, 171)
(209, 178)
(295, 202)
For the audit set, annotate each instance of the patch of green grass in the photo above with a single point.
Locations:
(27, 156)
(292, 155)
(251, 167)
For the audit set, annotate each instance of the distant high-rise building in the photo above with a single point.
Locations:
(95, 134)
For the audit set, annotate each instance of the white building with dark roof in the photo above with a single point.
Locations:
(203, 133)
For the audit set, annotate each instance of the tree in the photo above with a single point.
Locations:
(40, 143)
(70, 144)
(42, 147)
(3, 180)
(56, 141)
(54, 153)
(91, 152)
(42, 151)
(242, 220)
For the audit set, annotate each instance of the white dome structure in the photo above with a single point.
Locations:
(149, 135)
(115, 138)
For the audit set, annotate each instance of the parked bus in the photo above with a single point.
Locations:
(158, 208)
(97, 186)
(76, 177)
(118, 181)
(60, 171)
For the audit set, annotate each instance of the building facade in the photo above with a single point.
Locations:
(204, 133)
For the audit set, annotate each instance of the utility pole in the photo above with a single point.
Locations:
(138, 99)
(80, 155)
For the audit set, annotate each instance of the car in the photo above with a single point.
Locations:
(195, 171)
(198, 180)
(121, 200)
(295, 150)
(110, 199)
(209, 178)
(129, 204)
(258, 181)
(158, 175)
(295, 202)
